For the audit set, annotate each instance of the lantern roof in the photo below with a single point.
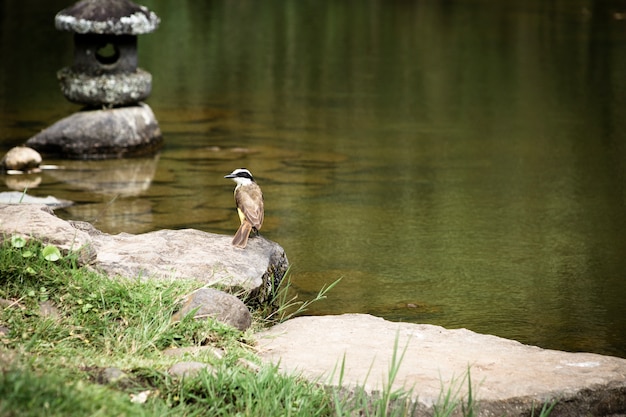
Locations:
(107, 17)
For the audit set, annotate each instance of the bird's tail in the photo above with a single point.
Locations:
(241, 237)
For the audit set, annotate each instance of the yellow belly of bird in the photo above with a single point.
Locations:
(241, 215)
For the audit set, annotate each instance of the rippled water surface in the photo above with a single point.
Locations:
(459, 163)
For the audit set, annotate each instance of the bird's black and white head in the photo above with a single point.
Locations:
(241, 176)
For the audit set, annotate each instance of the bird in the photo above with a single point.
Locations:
(249, 202)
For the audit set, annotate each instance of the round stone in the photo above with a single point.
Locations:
(21, 158)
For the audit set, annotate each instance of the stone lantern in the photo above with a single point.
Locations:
(104, 77)
(105, 71)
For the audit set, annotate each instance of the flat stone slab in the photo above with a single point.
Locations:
(188, 253)
(507, 377)
(162, 254)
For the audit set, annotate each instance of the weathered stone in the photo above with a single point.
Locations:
(108, 375)
(21, 159)
(189, 253)
(508, 378)
(101, 134)
(209, 302)
(163, 254)
(105, 72)
(39, 222)
(115, 17)
(112, 89)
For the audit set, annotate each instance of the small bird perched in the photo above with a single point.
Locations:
(249, 201)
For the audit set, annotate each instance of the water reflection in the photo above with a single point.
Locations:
(459, 163)
(21, 182)
(124, 178)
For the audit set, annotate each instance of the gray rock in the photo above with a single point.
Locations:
(189, 253)
(225, 308)
(115, 17)
(191, 368)
(39, 222)
(117, 89)
(113, 375)
(508, 378)
(109, 375)
(101, 134)
(163, 254)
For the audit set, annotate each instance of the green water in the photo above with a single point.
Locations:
(459, 163)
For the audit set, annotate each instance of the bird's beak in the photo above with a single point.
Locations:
(229, 176)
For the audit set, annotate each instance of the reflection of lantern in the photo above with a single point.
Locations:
(105, 71)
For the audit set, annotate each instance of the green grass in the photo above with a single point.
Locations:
(24, 392)
(51, 364)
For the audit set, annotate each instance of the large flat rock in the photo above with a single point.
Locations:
(189, 253)
(507, 377)
(162, 254)
(38, 221)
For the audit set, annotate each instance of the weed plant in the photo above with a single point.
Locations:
(284, 305)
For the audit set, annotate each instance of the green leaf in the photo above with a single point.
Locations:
(27, 254)
(51, 253)
(18, 241)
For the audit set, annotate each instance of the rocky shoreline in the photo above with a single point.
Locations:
(507, 377)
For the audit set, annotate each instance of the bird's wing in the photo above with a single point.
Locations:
(251, 205)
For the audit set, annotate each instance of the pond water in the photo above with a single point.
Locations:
(460, 163)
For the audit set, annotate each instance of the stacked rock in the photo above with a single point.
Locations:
(105, 71)
(104, 77)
